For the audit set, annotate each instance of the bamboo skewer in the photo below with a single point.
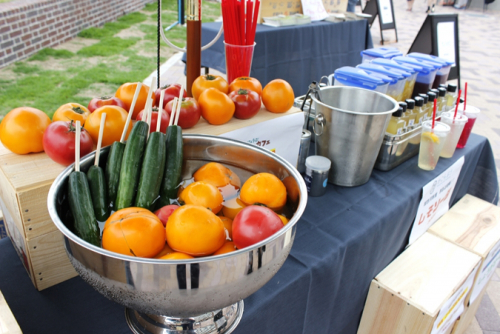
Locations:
(131, 111)
(77, 147)
(99, 140)
(160, 109)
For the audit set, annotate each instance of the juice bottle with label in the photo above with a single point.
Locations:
(441, 101)
(430, 104)
(425, 105)
(451, 96)
(396, 125)
(411, 117)
(405, 117)
(410, 107)
(419, 108)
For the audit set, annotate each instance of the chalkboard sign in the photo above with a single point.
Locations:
(438, 36)
(385, 11)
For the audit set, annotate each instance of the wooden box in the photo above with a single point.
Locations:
(422, 291)
(466, 318)
(8, 324)
(25, 181)
(474, 225)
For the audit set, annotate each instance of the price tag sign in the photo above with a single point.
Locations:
(314, 9)
(386, 11)
(435, 200)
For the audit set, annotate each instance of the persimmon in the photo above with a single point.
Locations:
(195, 230)
(204, 194)
(217, 175)
(71, 112)
(134, 232)
(126, 94)
(266, 189)
(228, 225)
(176, 256)
(166, 250)
(230, 208)
(228, 247)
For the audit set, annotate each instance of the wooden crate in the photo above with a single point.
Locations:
(422, 291)
(474, 225)
(25, 181)
(8, 324)
(466, 318)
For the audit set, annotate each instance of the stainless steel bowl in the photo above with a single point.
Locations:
(185, 288)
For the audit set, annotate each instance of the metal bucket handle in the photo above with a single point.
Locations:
(319, 119)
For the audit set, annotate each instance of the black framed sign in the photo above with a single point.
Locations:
(386, 18)
(438, 36)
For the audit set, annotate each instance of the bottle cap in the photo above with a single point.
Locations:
(432, 96)
(404, 105)
(425, 97)
(461, 100)
(419, 101)
(452, 88)
(398, 113)
(442, 85)
(442, 91)
(435, 91)
(410, 103)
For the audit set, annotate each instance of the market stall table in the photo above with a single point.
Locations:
(343, 240)
(297, 54)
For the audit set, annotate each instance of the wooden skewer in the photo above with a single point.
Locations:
(179, 105)
(160, 109)
(131, 111)
(99, 140)
(150, 110)
(174, 110)
(77, 147)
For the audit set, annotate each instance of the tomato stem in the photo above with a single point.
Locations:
(210, 77)
(105, 97)
(78, 110)
(242, 91)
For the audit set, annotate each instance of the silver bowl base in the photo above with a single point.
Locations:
(222, 321)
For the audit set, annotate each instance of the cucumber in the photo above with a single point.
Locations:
(99, 193)
(80, 203)
(173, 168)
(131, 166)
(152, 169)
(113, 166)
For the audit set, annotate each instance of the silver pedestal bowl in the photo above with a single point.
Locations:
(202, 295)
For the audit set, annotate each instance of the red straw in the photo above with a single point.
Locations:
(458, 102)
(248, 22)
(434, 113)
(256, 9)
(465, 97)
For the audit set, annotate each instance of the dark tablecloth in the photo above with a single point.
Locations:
(297, 54)
(344, 239)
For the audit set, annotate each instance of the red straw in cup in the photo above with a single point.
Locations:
(465, 97)
(434, 114)
(456, 107)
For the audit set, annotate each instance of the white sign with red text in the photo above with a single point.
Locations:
(435, 200)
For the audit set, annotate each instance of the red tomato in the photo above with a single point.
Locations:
(254, 224)
(59, 142)
(247, 103)
(165, 118)
(190, 112)
(98, 102)
(171, 91)
(165, 212)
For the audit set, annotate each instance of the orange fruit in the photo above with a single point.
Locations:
(278, 96)
(204, 194)
(116, 117)
(195, 230)
(134, 232)
(217, 175)
(176, 256)
(166, 250)
(126, 93)
(216, 107)
(264, 188)
(228, 225)
(228, 247)
(283, 219)
(230, 208)
(71, 112)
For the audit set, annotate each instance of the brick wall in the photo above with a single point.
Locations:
(27, 26)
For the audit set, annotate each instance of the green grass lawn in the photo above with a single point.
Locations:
(103, 59)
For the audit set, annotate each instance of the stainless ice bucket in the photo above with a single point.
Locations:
(350, 124)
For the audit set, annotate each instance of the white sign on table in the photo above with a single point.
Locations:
(314, 9)
(446, 41)
(454, 307)
(386, 11)
(435, 200)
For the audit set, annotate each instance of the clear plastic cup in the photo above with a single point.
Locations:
(238, 60)
(456, 125)
(431, 144)
(471, 113)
